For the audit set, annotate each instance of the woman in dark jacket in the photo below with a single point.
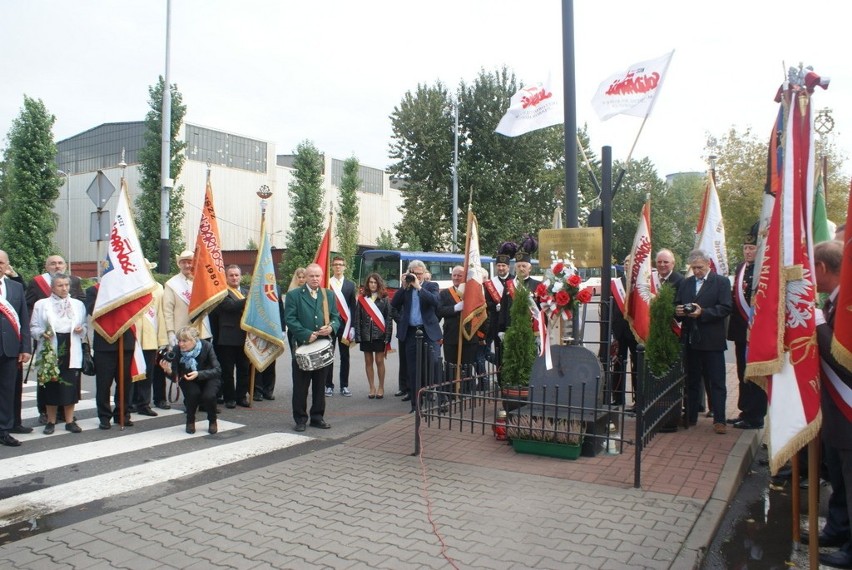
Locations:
(200, 376)
(373, 330)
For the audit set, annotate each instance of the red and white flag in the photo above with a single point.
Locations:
(786, 360)
(640, 288)
(841, 343)
(474, 311)
(126, 287)
(632, 92)
(710, 233)
(209, 286)
(532, 108)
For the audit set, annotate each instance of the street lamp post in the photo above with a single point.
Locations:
(67, 217)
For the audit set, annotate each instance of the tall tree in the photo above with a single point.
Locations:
(347, 213)
(30, 186)
(148, 201)
(674, 215)
(306, 208)
(640, 181)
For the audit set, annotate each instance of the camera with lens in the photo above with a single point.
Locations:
(166, 354)
(409, 278)
(689, 308)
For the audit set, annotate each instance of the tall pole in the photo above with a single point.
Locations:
(456, 177)
(570, 107)
(67, 218)
(166, 152)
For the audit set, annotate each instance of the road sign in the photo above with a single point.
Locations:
(99, 225)
(100, 190)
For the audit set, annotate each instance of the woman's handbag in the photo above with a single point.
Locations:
(88, 367)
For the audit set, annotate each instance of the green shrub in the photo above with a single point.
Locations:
(663, 347)
(519, 352)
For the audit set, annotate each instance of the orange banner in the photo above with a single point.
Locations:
(209, 285)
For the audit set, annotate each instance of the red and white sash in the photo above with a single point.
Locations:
(616, 287)
(11, 315)
(43, 282)
(739, 294)
(841, 394)
(373, 311)
(182, 287)
(495, 288)
(343, 309)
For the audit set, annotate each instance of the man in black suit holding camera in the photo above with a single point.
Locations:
(702, 302)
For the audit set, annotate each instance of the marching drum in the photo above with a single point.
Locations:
(315, 355)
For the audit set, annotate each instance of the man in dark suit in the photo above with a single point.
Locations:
(498, 294)
(702, 302)
(665, 263)
(310, 313)
(107, 371)
(416, 303)
(229, 340)
(522, 269)
(449, 309)
(836, 425)
(344, 293)
(752, 400)
(15, 347)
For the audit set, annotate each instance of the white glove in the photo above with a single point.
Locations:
(500, 335)
(172, 339)
(819, 317)
(459, 306)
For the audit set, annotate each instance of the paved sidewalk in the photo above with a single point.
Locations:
(471, 502)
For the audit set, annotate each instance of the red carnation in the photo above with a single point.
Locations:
(585, 295)
(541, 290)
(563, 298)
(557, 269)
(574, 280)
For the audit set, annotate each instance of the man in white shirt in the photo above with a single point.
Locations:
(344, 293)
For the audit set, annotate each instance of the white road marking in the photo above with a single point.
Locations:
(75, 454)
(68, 495)
(89, 424)
(32, 413)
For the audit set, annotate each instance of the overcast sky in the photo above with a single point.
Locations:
(332, 71)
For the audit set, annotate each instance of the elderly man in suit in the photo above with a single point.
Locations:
(665, 263)
(416, 303)
(15, 347)
(836, 426)
(702, 302)
(310, 313)
(229, 340)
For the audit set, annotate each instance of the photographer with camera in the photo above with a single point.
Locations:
(702, 302)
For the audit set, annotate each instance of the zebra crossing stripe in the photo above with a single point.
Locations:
(89, 424)
(75, 493)
(109, 447)
(32, 412)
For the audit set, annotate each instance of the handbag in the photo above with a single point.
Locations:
(88, 367)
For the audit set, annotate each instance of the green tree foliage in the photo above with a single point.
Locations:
(29, 188)
(306, 208)
(663, 346)
(347, 213)
(639, 181)
(519, 343)
(385, 239)
(674, 215)
(148, 201)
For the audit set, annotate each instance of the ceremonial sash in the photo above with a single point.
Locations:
(454, 294)
(373, 311)
(343, 309)
(616, 287)
(12, 315)
(41, 281)
(495, 288)
(510, 285)
(655, 277)
(182, 287)
(840, 393)
(739, 294)
(138, 368)
(237, 293)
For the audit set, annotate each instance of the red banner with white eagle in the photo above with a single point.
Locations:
(841, 344)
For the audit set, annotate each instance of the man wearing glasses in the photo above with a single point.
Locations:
(416, 308)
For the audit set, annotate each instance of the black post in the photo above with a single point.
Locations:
(606, 225)
(638, 390)
(418, 381)
(570, 108)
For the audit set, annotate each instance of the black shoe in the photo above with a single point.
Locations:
(73, 427)
(231, 404)
(825, 540)
(299, 427)
(268, 396)
(21, 429)
(258, 397)
(104, 425)
(407, 398)
(190, 427)
(839, 559)
(164, 405)
(244, 403)
(732, 421)
(49, 428)
(146, 411)
(9, 440)
(743, 424)
(400, 393)
(320, 424)
(127, 422)
(42, 418)
(213, 428)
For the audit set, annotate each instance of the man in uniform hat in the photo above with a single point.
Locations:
(498, 293)
(752, 400)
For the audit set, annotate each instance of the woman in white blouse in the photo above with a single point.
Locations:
(61, 321)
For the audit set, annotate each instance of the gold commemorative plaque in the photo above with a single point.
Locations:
(585, 243)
